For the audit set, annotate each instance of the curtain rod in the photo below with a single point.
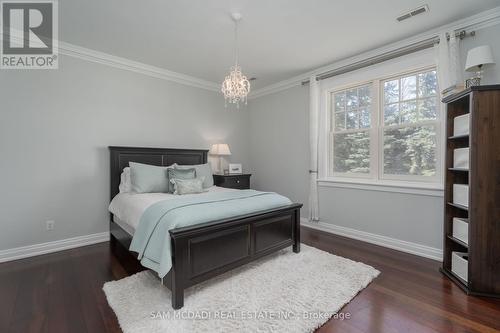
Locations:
(418, 46)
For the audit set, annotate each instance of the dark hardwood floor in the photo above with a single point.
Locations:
(61, 292)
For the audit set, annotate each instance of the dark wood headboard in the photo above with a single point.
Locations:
(121, 156)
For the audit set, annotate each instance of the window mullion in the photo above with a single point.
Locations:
(380, 137)
(375, 118)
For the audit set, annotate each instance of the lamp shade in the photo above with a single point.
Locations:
(221, 149)
(479, 56)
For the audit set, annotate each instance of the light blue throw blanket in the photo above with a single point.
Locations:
(152, 238)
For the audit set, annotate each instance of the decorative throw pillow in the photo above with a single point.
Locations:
(204, 170)
(188, 186)
(179, 174)
(125, 184)
(147, 178)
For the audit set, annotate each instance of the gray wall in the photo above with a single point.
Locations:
(55, 126)
(279, 155)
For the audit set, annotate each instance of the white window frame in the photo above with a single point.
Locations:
(381, 127)
(375, 180)
(331, 133)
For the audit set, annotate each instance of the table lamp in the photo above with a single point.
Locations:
(220, 149)
(477, 58)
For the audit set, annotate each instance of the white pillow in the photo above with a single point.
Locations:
(125, 182)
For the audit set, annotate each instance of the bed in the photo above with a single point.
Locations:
(198, 252)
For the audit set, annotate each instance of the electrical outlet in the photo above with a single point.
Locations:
(50, 225)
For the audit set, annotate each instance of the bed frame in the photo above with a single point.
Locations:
(203, 251)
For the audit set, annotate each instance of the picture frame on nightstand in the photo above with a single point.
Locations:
(235, 168)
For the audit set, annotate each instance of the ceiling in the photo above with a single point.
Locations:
(279, 39)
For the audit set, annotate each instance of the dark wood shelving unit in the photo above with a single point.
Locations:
(459, 169)
(458, 280)
(459, 137)
(482, 214)
(458, 241)
(462, 207)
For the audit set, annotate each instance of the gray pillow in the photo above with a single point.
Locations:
(145, 178)
(188, 186)
(179, 174)
(202, 170)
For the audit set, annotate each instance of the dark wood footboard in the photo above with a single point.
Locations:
(204, 251)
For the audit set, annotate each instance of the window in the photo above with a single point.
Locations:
(410, 108)
(387, 129)
(351, 130)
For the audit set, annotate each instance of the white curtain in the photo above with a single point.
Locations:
(313, 141)
(449, 65)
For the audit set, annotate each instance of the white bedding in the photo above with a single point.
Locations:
(127, 208)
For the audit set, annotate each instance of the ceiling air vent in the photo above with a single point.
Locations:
(413, 12)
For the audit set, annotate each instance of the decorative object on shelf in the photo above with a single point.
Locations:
(477, 59)
(461, 158)
(220, 150)
(461, 125)
(473, 81)
(460, 264)
(461, 195)
(452, 90)
(461, 229)
(235, 168)
(236, 86)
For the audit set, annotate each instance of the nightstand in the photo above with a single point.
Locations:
(237, 181)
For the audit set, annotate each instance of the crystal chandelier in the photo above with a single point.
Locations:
(236, 86)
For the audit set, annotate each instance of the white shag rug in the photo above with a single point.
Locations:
(283, 292)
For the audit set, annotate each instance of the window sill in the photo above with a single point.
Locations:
(434, 190)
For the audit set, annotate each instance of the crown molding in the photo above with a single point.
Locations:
(279, 86)
(106, 59)
(476, 22)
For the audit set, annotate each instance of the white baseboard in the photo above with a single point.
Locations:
(49, 247)
(392, 243)
(70, 243)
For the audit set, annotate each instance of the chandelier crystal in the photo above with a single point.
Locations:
(236, 86)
